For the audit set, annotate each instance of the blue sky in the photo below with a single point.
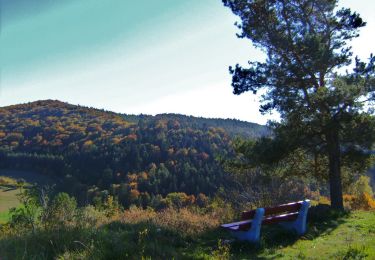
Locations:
(144, 56)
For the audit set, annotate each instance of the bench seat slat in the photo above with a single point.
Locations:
(234, 228)
(246, 224)
(284, 208)
(290, 207)
(280, 218)
(233, 224)
(243, 227)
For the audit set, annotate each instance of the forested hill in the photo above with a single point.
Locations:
(135, 158)
(232, 127)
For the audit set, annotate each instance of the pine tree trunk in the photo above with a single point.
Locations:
(335, 183)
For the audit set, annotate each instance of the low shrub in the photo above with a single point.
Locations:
(184, 219)
(7, 181)
(222, 252)
(60, 211)
(360, 186)
(89, 216)
(364, 201)
(324, 200)
(136, 215)
(172, 219)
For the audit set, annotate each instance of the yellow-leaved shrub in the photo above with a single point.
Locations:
(364, 201)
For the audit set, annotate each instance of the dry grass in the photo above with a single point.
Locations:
(186, 220)
(8, 198)
(4, 180)
(136, 215)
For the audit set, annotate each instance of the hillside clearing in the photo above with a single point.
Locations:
(8, 199)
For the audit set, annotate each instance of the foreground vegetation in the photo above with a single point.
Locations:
(4, 216)
(188, 234)
(50, 225)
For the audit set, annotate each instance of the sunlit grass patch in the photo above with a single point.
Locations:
(4, 217)
(8, 198)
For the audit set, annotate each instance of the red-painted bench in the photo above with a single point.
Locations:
(291, 216)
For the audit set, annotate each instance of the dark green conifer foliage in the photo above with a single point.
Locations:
(323, 110)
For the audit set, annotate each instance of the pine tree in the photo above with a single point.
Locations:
(323, 110)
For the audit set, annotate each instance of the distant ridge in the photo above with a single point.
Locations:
(233, 127)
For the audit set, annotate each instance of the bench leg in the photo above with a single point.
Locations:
(299, 225)
(253, 234)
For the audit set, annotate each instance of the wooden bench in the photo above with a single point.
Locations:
(291, 216)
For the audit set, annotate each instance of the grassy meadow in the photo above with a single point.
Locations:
(187, 234)
(9, 188)
(8, 197)
(4, 217)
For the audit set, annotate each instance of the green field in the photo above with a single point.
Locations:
(4, 217)
(8, 196)
(8, 199)
(9, 190)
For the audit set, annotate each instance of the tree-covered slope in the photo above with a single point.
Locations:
(233, 127)
(135, 158)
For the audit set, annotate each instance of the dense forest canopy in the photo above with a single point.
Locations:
(94, 153)
(233, 127)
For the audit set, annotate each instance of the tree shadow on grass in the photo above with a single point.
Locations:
(322, 220)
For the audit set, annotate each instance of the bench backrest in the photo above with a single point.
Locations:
(277, 210)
